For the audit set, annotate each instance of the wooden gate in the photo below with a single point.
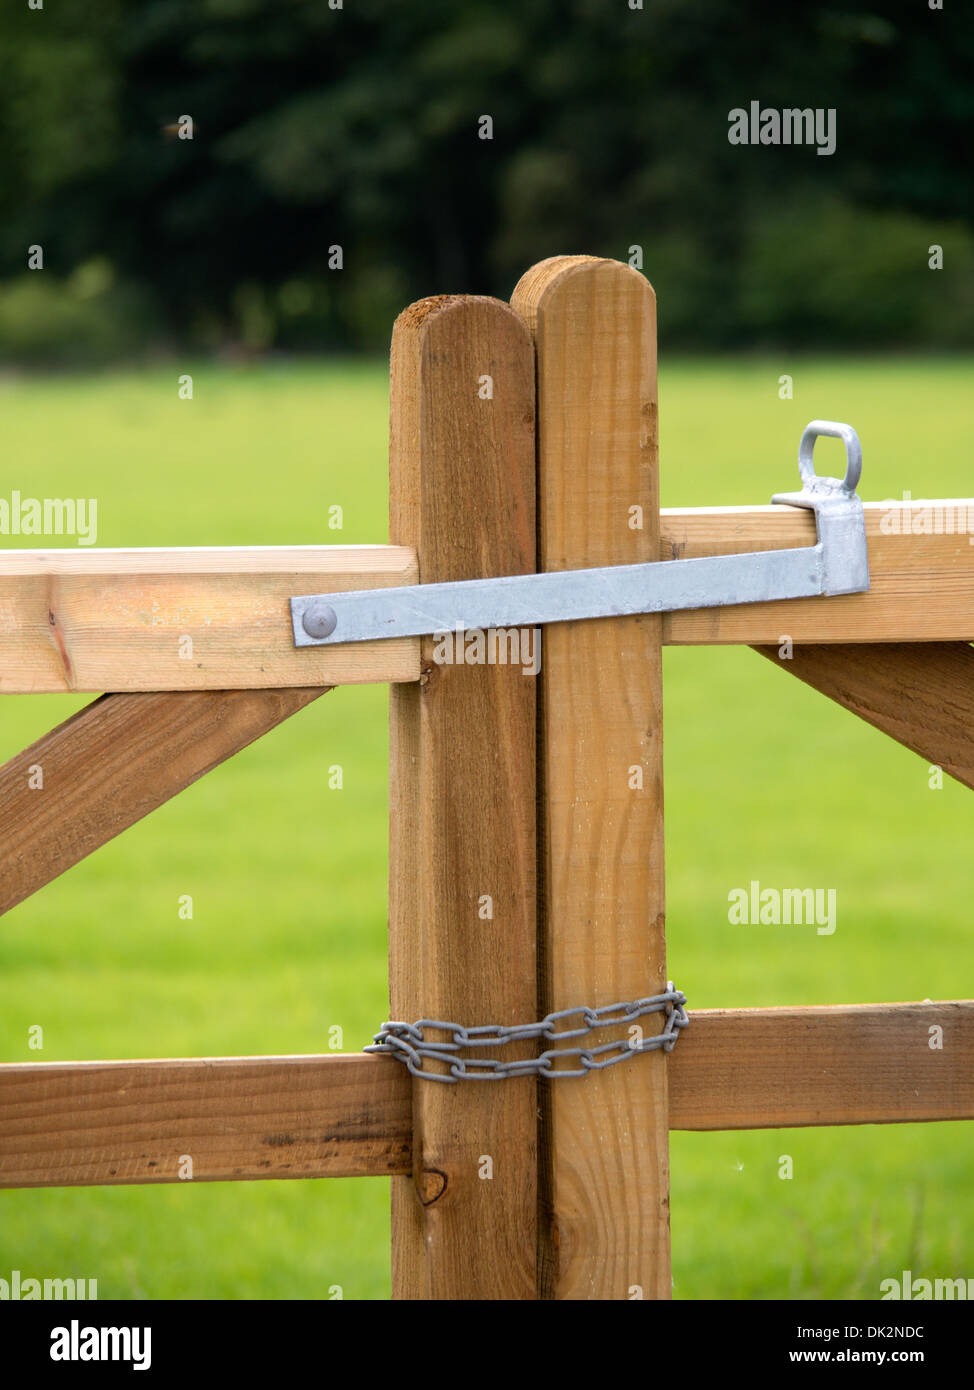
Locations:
(526, 865)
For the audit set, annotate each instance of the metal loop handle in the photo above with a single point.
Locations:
(853, 454)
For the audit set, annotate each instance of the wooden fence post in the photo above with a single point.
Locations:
(605, 1179)
(463, 841)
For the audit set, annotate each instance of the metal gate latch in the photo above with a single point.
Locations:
(836, 564)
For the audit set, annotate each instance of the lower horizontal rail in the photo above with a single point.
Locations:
(68, 1124)
(856, 1064)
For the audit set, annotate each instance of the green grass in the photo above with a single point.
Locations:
(764, 780)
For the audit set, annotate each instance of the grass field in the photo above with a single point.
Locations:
(764, 780)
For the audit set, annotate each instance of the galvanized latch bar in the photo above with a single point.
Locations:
(836, 564)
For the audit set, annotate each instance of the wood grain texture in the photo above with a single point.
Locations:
(831, 1065)
(921, 586)
(118, 619)
(111, 764)
(113, 619)
(103, 1123)
(605, 1224)
(462, 800)
(922, 695)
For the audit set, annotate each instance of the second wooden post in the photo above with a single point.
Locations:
(605, 1154)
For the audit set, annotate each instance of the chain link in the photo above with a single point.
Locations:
(409, 1043)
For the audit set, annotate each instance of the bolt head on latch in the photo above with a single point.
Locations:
(319, 620)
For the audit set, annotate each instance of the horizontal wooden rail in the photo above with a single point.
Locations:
(193, 619)
(855, 1064)
(921, 586)
(119, 620)
(199, 619)
(68, 1124)
(103, 1123)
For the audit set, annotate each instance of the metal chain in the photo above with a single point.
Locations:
(407, 1041)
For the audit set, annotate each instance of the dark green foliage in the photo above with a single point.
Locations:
(358, 127)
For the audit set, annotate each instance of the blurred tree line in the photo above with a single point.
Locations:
(359, 127)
